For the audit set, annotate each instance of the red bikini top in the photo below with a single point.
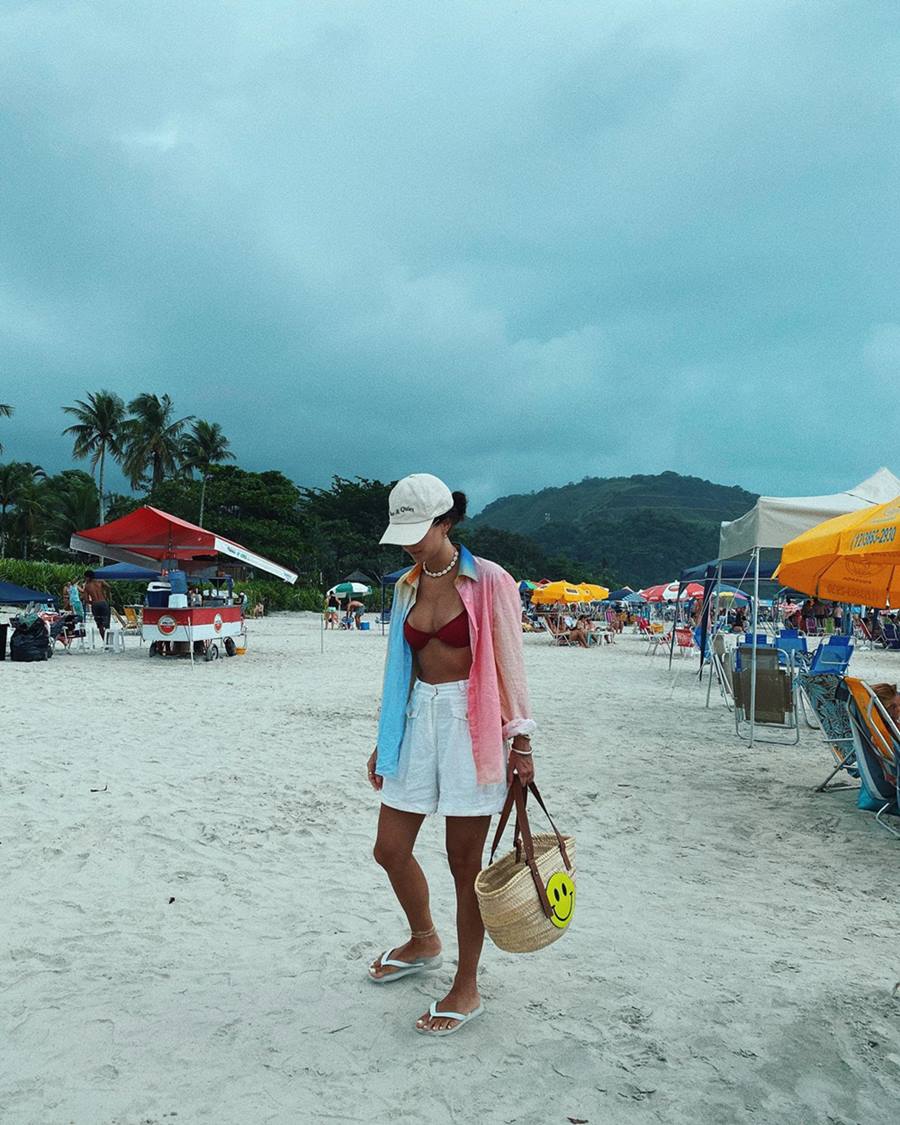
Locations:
(455, 633)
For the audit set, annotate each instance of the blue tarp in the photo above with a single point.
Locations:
(394, 577)
(11, 594)
(125, 572)
(733, 570)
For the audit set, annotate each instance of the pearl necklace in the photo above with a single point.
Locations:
(446, 570)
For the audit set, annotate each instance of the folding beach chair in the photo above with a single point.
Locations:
(825, 694)
(558, 636)
(775, 704)
(724, 669)
(794, 646)
(657, 641)
(877, 742)
(889, 636)
(861, 632)
(831, 658)
(133, 620)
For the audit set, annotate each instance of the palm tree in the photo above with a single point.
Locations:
(204, 447)
(5, 412)
(75, 506)
(152, 440)
(97, 432)
(17, 489)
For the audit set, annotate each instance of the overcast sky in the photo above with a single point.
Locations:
(513, 244)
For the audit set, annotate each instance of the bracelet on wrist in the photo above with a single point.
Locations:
(523, 753)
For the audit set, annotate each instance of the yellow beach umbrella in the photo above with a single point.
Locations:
(554, 593)
(594, 593)
(853, 558)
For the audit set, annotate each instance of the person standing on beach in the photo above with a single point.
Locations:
(355, 611)
(456, 637)
(96, 598)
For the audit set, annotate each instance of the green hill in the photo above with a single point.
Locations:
(642, 529)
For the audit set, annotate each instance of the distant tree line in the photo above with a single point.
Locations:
(180, 464)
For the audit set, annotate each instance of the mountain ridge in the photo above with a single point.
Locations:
(643, 528)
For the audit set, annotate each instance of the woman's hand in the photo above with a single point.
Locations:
(521, 764)
(375, 779)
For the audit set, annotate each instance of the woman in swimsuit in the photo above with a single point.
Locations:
(454, 696)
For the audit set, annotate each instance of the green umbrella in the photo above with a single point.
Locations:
(344, 588)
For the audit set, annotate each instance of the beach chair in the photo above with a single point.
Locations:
(133, 620)
(889, 636)
(861, 632)
(684, 640)
(67, 631)
(831, 658)
(794, 648)
(775, 704)
(877, 743)
(657, 641)
(558, 633)
(723, 666)
(825, 695)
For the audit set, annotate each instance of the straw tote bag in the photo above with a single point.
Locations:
(527, 898)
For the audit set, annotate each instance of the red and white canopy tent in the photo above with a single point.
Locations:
(148, 536)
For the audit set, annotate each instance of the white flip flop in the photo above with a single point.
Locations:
(403, 968)
(463, 1017)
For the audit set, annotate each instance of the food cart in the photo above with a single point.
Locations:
(208, 621)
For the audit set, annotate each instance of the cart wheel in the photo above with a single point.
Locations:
(212, 652)
(230, 646)
(152, 650)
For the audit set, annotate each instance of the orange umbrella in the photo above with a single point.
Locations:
(852, 558)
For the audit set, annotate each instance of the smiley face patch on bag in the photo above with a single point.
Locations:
(561, 894)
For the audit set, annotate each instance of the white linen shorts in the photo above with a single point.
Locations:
(436, 771)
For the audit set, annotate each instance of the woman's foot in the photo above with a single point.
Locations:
(458, 999)
(416, 949)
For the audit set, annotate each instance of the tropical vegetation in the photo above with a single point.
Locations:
(636, 529)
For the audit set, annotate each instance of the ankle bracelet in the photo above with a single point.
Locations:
(423, 933)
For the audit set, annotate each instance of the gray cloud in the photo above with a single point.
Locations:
(513, 244)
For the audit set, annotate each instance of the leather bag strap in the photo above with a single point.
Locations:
(556, 832)
(528, 845)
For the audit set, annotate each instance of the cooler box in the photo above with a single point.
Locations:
(157, 595)
(364, 624)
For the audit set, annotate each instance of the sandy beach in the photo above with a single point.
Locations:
(190, 903)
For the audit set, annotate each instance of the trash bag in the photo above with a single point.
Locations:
(30, 640)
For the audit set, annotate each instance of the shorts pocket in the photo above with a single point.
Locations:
(459, 707)
(413, 707)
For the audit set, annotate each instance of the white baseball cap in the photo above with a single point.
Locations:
(413, 505)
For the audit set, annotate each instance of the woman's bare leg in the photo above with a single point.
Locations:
(397, 832)
(465, 849)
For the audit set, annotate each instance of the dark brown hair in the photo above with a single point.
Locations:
(457, 513)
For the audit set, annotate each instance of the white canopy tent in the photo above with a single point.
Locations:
(774, 520)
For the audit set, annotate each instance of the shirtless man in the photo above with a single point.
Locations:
(96, 598)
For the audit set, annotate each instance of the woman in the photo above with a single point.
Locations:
(73, 596)
(456, 635)
(331, 612)
(890, 699)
